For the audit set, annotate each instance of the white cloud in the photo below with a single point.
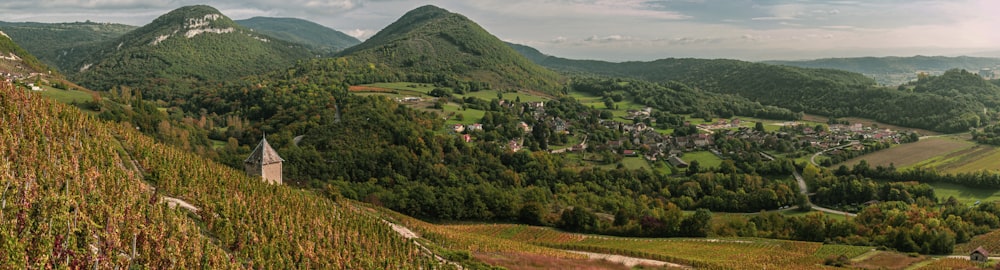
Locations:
(618, 30)
(361, 34)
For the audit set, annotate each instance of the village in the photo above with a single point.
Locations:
(638, 137)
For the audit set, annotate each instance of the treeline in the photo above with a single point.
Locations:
(980, 179)
(930, 105)
(990, 134)
(896, 225)
(904, 216)
(678, 98)
(63, 45)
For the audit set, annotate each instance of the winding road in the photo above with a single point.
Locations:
(804, 189)
(813, 158)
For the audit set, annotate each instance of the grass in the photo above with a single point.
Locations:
(66, 96)
(966, 195)
(705, 159)
(635, 163)
(470, 116)
(595, 102)
(977, 158)
(217, 144)
(796, 213)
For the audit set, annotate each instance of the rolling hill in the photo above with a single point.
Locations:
(189, 44)
(431, 44)
(63, 45)
(883, 65)
(319, 38)
(827, 92)
(14, 59)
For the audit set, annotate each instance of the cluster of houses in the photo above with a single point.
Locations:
(838, 134)
(640, 139)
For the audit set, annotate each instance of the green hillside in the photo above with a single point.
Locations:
(189, 44)
(318, 37)
(15, 59)
(877, 65)
(430, 44)
(80, 194)
(63, 45)
(827, 92)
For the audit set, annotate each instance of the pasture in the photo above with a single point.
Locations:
(66, 96)
(705, 159)
(965, 195)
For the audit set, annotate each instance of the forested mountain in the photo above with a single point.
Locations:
(81, 193)
(319, 38)
(13, 58)
(894, 64)
(430, 44)
(827, 92)
(189, 44)
(63, 45)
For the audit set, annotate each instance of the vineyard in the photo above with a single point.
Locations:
(990, 241)
(79, 193)
(728, 253)
(450, 237)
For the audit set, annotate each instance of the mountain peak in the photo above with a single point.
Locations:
(192, 43)
(433, 41)
(191, 21)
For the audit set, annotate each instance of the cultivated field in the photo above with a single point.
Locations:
(915, 154)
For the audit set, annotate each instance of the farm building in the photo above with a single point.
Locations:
(264, 162)
(979, 255)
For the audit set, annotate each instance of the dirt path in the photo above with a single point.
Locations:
(629, 261)
(410, 235)
(175, 202)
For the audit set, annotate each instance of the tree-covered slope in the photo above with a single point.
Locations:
(15, 59)
(63, 45)
(318, 37)
(81, 194)
(432, 44)
(828, 92)
(194, 43)
(883, 65)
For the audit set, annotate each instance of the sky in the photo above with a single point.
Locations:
(624, 30)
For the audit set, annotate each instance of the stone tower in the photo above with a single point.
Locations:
(264, 162)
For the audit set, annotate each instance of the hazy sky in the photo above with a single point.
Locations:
(624, 29)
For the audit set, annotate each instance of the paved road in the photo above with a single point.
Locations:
(813, 158)
(805, 189)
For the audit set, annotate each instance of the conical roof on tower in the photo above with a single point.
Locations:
(263, 154)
